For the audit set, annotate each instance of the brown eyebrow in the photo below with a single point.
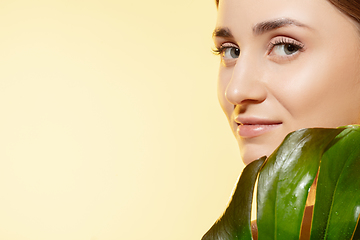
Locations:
(261, 27)
(267, 26)
(222, 32)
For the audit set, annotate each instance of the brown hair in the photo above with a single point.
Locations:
(349, 7)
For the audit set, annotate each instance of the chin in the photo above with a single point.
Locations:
(252, 149)
(251, 153)
(251, 156)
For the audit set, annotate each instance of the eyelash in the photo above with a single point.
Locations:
(220, 50)
(283, 41)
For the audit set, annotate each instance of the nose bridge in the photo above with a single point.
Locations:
(246, 84)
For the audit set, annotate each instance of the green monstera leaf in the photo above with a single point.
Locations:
(284, 180)
(235, 222)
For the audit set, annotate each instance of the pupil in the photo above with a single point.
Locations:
(235, 52)
(290, 48)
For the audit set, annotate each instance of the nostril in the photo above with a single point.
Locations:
(253, 96)
(240, 108)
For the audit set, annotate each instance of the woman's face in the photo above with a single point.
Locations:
(285, 65)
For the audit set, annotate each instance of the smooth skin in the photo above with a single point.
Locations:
(285, 65)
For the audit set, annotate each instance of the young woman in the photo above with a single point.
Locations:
(287, 65)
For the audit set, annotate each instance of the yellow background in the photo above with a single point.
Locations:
(110, 126)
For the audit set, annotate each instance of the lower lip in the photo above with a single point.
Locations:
(250, 131)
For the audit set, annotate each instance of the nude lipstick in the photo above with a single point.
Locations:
(253, 127)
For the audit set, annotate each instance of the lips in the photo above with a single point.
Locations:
(253, 127)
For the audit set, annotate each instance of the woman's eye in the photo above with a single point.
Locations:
(285, 49)
(231, 53)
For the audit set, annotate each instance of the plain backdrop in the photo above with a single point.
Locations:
(110, 126)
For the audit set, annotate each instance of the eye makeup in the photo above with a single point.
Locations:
(228, 52)
(284, 49)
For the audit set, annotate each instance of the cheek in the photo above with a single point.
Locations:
(223, 81)
(322, 93)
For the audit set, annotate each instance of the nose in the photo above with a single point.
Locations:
(246, 85)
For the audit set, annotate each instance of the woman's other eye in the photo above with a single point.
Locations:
(228, 52)
(231, 52)
(284, 49)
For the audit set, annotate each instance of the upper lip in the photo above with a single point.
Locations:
(255, 121)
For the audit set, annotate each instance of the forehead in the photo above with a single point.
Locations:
(246, 13)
